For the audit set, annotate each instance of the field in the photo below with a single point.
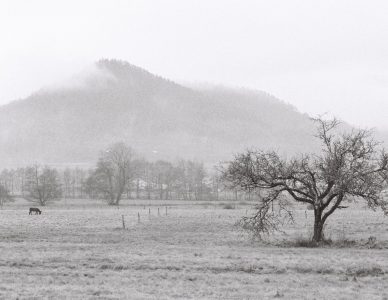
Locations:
(80, 251)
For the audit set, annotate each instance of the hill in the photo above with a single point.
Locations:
(157, 117)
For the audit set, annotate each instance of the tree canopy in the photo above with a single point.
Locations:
(114, 171)
(42, 185)
(4, 195)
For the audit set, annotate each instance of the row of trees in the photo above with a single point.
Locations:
(119, 174)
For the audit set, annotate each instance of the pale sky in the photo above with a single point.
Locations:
(321, 56)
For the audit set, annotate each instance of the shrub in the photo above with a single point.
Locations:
(229, 206)
(305, 243)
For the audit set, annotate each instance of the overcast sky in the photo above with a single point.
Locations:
(321, 56)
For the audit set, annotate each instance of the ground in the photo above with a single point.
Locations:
(80, 251)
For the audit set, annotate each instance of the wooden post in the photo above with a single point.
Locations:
(158, 212)
(122, 219)
(149, 213)
(166, 210)
(138, 217)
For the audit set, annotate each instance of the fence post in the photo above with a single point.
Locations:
(138, 217)
(149, 213)
(158, 212)
(166, 210)
(122, 219)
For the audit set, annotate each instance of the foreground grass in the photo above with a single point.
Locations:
(194, 252)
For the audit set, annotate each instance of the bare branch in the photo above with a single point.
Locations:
(350, 165)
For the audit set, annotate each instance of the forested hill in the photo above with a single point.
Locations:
(157, 117)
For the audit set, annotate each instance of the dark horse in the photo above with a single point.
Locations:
(37, 211)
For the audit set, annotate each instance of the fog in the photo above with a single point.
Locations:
(321, 56)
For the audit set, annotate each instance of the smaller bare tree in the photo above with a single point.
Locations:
(42, 185)
(114, 172)
(4, 196)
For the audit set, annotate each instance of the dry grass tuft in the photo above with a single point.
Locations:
(229, 206)
(364, 271)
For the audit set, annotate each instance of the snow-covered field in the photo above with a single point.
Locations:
(193, 252)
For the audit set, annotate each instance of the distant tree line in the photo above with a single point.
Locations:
(119, 174)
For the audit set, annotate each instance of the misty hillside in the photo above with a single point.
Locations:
(157, 117)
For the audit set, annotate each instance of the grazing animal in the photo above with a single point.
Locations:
(37, 211)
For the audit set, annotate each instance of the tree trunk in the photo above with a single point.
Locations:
(161, 192)
(118, 198)
(137, 189)
(318, 226)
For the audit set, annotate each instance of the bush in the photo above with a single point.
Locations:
(305, 243)
(328, 242)
(229, 206)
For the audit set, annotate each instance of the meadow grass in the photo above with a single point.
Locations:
(80, 251)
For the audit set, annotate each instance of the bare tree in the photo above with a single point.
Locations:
(165, 178)
(7, 177)
(67, 180)
(4, 195)
(199, 180)
(42, 185)
(350, 166)
(113, 174)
